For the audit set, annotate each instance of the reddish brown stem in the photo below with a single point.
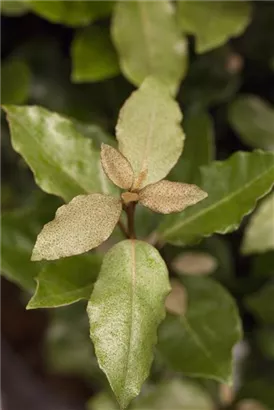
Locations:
(123, 228)
(130, 217)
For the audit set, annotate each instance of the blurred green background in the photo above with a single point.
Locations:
(47, 358)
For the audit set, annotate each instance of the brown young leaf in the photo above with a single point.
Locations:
(81, 225)
(166, 197)
(116, 167)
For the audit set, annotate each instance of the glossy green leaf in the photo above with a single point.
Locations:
(19, 231)
(66, 281)
(13, 8)
(261, 304)
(15, 82)
(213, 23)
(149, 132)
(148, 42)
(259, 234)
(71, 13)
(170, 394)
(200, 342)
(64, 163)
(125, 309)
(233, 187)
(253, 120)
(93, 55)
(199, 147)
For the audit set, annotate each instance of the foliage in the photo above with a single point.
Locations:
(95, 233)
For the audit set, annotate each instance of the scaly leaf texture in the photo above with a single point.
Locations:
(167, 197)
(149, 133)
(125, 309)
(79, 226)
(116, 167)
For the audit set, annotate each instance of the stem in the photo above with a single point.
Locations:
(123, 228)
(130, 217)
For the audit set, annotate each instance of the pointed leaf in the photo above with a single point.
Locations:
(83, 224)
(149, 42)
(71, 13)
(116, 167)
(149, 132)
(253, 120)
(213, 23)
(66, 281)
(233, 187)
(259, 234)
(63, 161)
(166, 197)
(199, 147)
(125, 309)
(200, 342)
(93, 55)
(15, 81)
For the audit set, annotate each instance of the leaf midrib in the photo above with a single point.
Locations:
(133, 285)
(219, 203)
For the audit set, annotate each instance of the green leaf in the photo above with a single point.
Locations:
(13, 8)
(19, 231)
(199, 147)
(125, 309)
(175, 394)
(93, 56)
(148, 42)
(67, 347)
(233, 187)
(15, 81)
(71, 13)
(261, 304)
(170, 394)
(66, 281)
(200, 342)
(259, 234)
(64, 163)
(213, 23)
(81, 225)
(253, 120)
(149, 132)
